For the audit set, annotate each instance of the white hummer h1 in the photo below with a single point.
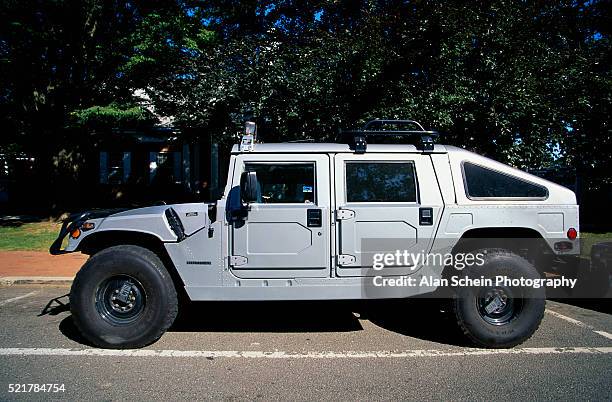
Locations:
(308, 221)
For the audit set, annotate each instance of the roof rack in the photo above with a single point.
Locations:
(376, 128)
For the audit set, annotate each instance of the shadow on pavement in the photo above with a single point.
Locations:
(266, 317)
(56, 306)
(599, 305)
(70, 331)
(422, 318)
(418, 318)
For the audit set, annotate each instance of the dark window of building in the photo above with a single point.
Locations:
(284, 183)
(165, 168)
(380, 182)
(481, 182)
(115, 167)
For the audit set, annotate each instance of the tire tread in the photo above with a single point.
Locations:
(465, 327)
(151, 258)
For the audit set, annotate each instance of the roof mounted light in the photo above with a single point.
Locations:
(248, 139)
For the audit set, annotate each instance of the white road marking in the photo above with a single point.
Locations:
(579, 323)
(570, 319)
(604, 333)
(7, 301)
(299, 355)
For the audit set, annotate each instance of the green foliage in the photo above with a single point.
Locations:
(112, 116)
(525, 83)
(29, 236)
(507, 79)
(162, 44)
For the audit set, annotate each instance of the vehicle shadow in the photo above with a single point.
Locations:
(59, 305)
(428, 319)
(70, 331)
(425, 319)
(56, 306)
(418, 318)
(295, 316)
(602, 305)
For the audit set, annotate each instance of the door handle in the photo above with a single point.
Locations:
(314, 218)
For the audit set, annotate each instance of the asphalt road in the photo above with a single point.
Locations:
(304, 351)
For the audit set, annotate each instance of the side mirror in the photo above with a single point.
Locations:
(248, 187)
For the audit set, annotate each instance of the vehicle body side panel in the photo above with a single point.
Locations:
(275, 236)
(202, 258)
(550, 217)
(444, 177)
(199, 258)
(149, 220)
(385, 226)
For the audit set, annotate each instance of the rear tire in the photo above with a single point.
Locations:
(123, 297)
(498, 316)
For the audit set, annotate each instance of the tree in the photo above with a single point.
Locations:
(60, 58)
(526, 83)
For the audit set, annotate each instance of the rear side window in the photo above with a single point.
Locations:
(284, 183)
(380, 182)
(481, 182)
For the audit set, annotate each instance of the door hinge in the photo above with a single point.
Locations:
(346, 259)
(237, 260)
(343, 214)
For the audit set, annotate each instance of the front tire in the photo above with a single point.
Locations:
(123, 297)
(499, 316)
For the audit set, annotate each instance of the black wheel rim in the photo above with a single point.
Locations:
(120, 300)
(498, 305)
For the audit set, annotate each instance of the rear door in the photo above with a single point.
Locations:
(385, 203)
(286, 233)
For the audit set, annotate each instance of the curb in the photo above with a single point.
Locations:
(36, 280)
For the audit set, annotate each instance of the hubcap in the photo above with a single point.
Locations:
(120, 299)
(497, 306)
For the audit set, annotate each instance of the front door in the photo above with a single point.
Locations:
(386, 203)
(286, 232)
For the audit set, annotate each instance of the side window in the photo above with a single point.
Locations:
(481, 182)
(284, 183)
(380, 182)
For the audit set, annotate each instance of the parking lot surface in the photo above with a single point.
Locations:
(304, 351)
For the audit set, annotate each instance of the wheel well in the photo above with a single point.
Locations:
(97, 242)
(525, 242)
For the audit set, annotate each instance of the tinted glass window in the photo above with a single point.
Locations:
(284, 183)
(486, 183)
(380, 182)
